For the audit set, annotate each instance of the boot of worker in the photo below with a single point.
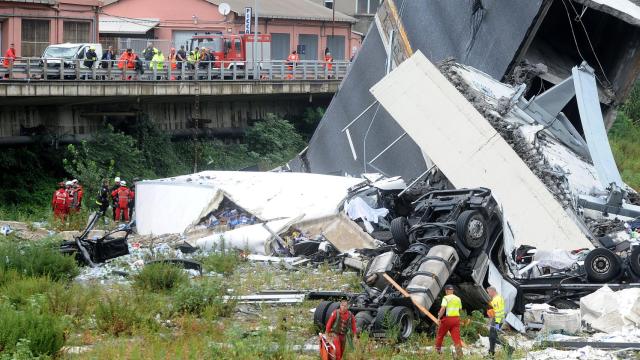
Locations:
(459, 353)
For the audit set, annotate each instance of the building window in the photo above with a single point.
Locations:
(328, 3)
(35, 37)
(76, 32)
(367, 6)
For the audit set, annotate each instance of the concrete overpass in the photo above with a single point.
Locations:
(69, 110)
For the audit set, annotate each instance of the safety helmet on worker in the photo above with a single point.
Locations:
(68, 183)
(117, 179)
(123, 183)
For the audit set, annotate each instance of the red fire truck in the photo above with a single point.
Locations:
(235, 50)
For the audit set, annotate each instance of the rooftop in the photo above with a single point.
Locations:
(287, 9)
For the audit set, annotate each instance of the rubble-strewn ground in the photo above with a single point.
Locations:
(121, 311)
(106, 315)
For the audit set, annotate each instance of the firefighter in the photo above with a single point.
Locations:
(9, 58)
(292, 61)
(103, 197)
(123, 196)
(128, 58)
(496, 314)
(149, 51)
(60, 202)
(450, 309)
(114, 200)
(341, 326)
(328, 62)
(90, 58)
(77, 193)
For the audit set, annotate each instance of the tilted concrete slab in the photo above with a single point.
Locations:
(471, 153)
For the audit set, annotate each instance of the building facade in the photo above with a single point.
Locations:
(361, 10)
(131, 23)
(32, 25)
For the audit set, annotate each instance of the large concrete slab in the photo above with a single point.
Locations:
(471, 153)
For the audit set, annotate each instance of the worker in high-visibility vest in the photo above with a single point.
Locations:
(449, 319)
(497, 314)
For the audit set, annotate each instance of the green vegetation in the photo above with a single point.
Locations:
(39, 259)
(44, 332)
(160, 277)
(624, 137)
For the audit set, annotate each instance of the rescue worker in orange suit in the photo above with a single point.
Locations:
(77, 193)
(9, 58)
(292, 61)
(123, 196)
(342, 327)
(328, 61)
(449, 318)
(172, 62)
(128, 59)
(60, 202)
(114, 200)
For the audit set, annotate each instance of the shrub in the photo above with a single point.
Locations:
(160, 277)
(42, 259)
(474, 325)
(117, 315)
(21, 291)
(195, 299)
(74, 300)
(221, 261)
(44, 332)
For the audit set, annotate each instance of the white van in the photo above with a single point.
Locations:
(68, 53)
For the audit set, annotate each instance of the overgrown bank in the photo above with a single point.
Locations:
(137, 150)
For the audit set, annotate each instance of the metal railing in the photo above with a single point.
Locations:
(30, 69)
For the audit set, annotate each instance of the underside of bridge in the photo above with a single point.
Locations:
(70, 119)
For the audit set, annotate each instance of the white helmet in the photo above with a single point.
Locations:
(74, 181)
(68, 183)
(117, 179)
(123, 183)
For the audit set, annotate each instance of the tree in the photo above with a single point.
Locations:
(109, 154)
(274, 139)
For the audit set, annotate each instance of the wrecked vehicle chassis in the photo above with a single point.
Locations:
(451, 237)
(445, 240)
(91, 251)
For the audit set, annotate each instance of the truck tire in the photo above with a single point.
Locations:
(634, 261)
(382, 318)
(471, 228)
(319, 314)
(564, 304)
(602, 265)
(333, 306)
(399, 227)
(402, 319)
(363, 321)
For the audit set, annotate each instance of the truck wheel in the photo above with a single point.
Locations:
(402, 319)
(382, 318)
(319, 314)
(634, 260)
(399, 227)
(363, 320)
(471, 228)
(564, 304)
(333, 306)
(602, 265)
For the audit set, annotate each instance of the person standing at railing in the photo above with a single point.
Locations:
(127, 61)
(106, 61)
(90, 58)
(148, 52)
(194, 56)
(181, 58)
(172, 62)
(292, 61)
(9, 58)
(328, 62)
(157, 63)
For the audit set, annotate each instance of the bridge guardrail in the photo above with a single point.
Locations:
(28, 69)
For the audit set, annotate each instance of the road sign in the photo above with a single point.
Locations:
(247, 20)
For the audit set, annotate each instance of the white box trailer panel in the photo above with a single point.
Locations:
(471, 153)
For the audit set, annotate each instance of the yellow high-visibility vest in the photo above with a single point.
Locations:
(453, 304)
(497, 304)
